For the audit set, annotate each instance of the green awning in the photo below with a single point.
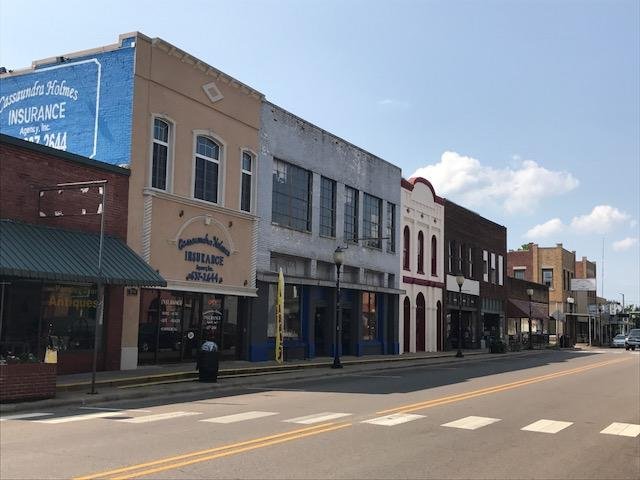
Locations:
(46, 253)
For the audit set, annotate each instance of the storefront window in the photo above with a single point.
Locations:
(292, 299)
(369, 316)
(68, 315)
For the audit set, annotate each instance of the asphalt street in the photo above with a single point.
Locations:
(556, 414)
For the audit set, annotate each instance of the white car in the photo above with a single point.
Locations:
(618, 341)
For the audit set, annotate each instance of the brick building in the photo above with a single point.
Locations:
(554, 267)
(48, 255)
(475, 248)
(586, 304)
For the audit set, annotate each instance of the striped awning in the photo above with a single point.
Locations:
(53, 254)
(520, 309)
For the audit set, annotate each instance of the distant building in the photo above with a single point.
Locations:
(586, 304)
(555, 268)
(422, 269)
(521, 307)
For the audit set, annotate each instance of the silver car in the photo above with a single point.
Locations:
(618, 340)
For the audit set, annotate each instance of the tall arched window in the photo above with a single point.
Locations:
(420, 252)
(161, 154)
(405, 248)
(434, 257)
(207, 159)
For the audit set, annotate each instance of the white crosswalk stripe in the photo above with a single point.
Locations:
(395, 419)
(623, 429)
(317, 418)
(77, 418)
(158, 416)
(471, 423)
(546, 426)
(23, 416)
(239, 417)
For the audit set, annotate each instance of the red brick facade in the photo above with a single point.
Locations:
(27, 381)
(520, 258)
(25, 168)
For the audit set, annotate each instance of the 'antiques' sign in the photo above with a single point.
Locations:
(205, 262)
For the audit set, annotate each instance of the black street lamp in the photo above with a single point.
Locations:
(338, 259)
(460, 282)
(530, 294)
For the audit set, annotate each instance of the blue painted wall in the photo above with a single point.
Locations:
(82, 106)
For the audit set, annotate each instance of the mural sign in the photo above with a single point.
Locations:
(83, 106)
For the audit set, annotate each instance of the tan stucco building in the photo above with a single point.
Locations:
(191, 205)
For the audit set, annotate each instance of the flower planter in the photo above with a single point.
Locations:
(27, 381)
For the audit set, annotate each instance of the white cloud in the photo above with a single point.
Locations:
(625, 244)
(517, 188)
(602, 219)
(544, 230)
(392, 103)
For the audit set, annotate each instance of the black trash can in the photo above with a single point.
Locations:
(208, 362)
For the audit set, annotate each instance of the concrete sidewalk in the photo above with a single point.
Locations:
(164, 381)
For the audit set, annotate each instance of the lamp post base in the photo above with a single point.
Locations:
(336, 363)
(459, 354)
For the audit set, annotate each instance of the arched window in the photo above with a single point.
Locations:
(207, 158)
(405, 248)
(434, 257)
(420, 252)
(161, 154)
(246, 181)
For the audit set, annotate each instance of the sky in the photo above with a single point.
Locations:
(527, 112)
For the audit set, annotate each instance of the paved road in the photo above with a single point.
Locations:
(548, 415)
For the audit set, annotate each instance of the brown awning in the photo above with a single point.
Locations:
(520, 309)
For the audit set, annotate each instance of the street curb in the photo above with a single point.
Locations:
(183, 386)
(246, 371)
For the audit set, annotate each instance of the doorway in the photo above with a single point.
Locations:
(319, 331)
(406, 313)
(420, 323)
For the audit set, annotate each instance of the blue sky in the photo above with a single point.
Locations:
(527, 112)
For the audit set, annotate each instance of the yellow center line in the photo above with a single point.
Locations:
(201, 452)
(230, 452)
(494, 389)
(170, 463)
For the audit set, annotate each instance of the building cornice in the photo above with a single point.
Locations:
(152, 192)
(198, 64)
(422, 282)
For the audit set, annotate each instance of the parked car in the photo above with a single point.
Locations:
(633, 339)
(618, 340)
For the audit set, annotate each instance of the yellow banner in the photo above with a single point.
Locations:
(280, 318)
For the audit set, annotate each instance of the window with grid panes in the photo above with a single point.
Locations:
(327, 207)
(391, 228)
(350, 214)
(291, 203)
(372, 221)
